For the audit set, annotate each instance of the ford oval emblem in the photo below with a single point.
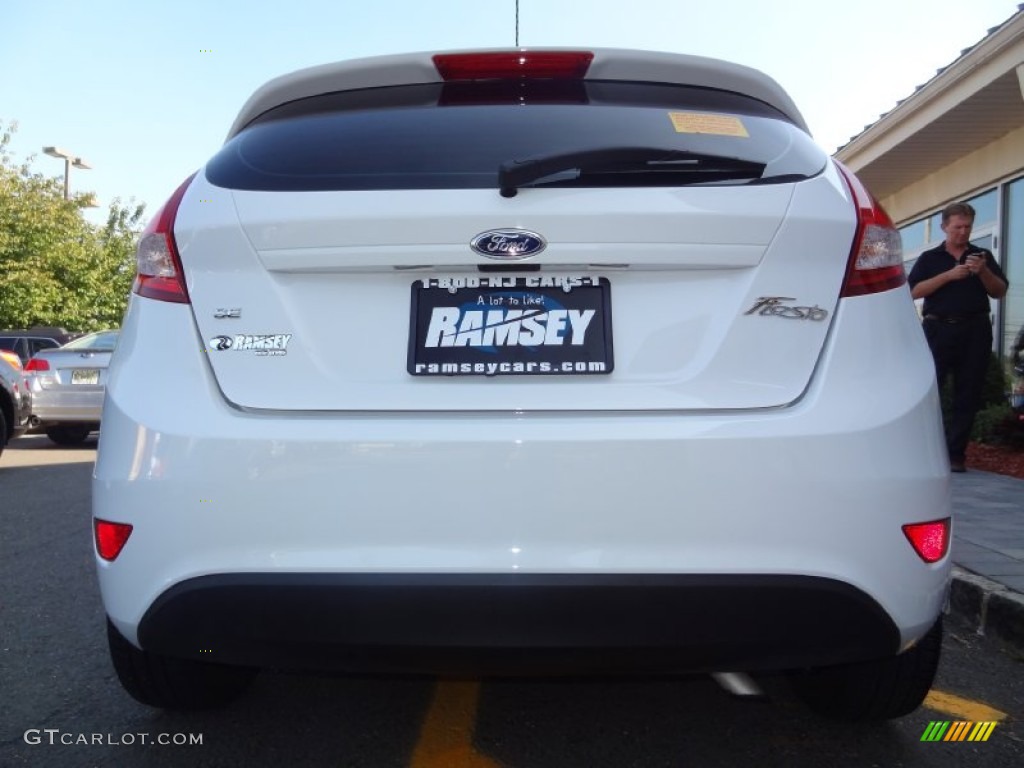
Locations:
(508, 244)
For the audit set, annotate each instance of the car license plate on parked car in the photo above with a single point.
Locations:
(85, 376)
(491, 325)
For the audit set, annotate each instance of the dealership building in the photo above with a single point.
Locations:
(960, 136)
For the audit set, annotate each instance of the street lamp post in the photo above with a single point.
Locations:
(69, 160)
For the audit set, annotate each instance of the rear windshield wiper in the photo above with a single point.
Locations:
(627, 161)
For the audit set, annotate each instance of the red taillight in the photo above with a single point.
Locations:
(929, 540)
(111, 538)
(505, 65)
(876, 259)
(159, 274)
(37, 364)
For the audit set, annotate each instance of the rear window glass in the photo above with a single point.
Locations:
(34, 345)
(453, 136)
(103, 341)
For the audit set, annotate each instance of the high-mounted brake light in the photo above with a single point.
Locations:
(159, 274)
(111, 538)
(37, 364)
(930, 540)
(506, 65)
(876, 259)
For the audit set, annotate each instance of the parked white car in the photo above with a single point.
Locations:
(575, 361)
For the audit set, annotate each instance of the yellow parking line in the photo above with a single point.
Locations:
(961, 708)
(446, 736)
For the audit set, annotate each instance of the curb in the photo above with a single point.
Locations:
(992, 608)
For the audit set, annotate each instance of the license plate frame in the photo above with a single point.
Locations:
(469, 326)
(85, 376)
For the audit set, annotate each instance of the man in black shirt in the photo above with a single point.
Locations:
(956, 280)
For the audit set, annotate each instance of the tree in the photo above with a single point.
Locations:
(56, 268)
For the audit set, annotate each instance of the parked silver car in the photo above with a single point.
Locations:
(67, 386)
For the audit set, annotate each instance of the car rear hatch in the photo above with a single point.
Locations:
(79, 366)
(587, 245)
(81, 370)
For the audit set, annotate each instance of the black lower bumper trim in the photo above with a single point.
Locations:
(518, 623)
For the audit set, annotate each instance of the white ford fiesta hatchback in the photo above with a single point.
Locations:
(523, 361)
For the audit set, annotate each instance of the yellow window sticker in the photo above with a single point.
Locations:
(717, 125)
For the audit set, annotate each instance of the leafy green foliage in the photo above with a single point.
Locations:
(995, 421)
(56, 268)
(995, 389)
(998, 425)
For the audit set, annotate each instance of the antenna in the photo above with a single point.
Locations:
(517, 23)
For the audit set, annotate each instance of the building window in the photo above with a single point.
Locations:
(914, 236)
(927, 232)
(985, 208)
(935, 233)
(1013, 265)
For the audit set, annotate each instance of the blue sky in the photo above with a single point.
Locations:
(145, 91)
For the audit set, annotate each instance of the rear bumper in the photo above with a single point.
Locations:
(777, 529)
(52, 406)
(518, 623)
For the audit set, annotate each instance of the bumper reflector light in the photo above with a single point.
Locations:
(929, 540)
(111, 538)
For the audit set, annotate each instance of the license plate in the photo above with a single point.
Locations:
(85, 376)
(484, 325)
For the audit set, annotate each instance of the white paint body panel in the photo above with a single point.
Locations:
(725, 442)
(820, 488)
(608, 64)
(333, 272)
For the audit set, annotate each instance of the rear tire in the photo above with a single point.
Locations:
(874, 690)
(176, 684)
(68, 434)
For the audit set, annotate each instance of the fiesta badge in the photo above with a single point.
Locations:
(508, 244)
